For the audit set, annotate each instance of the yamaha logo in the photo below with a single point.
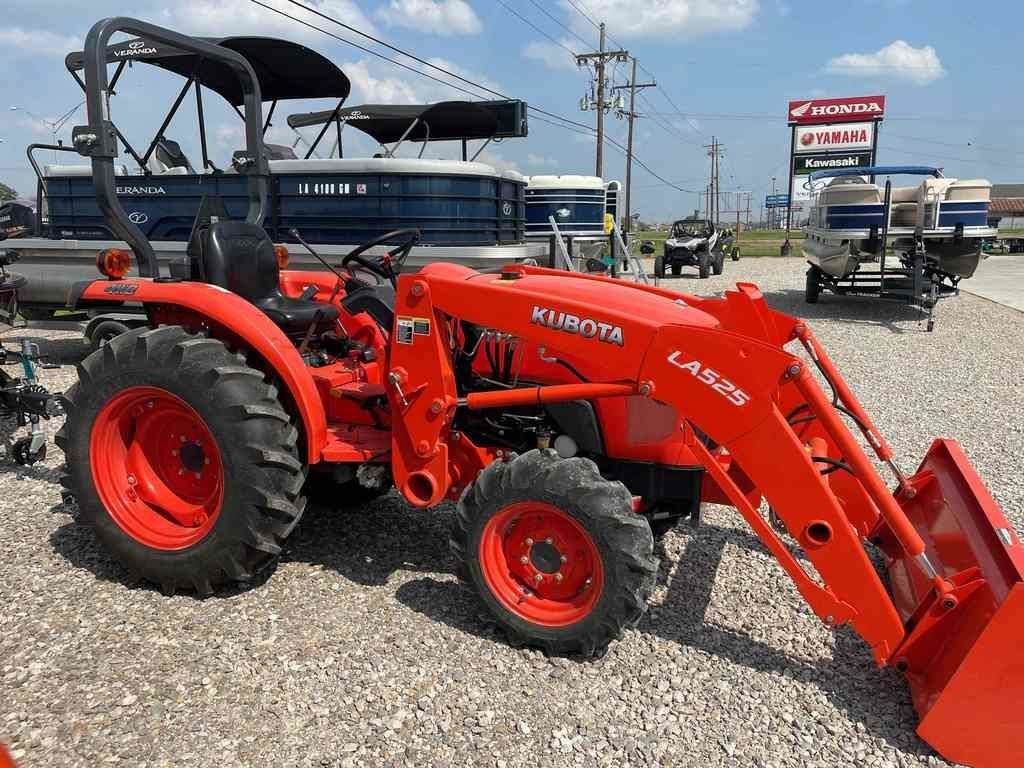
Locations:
(138, 217)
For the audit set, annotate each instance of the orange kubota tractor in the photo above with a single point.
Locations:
(570, 416)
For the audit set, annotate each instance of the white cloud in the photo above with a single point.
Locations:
(899, 60)
(498, 161)
(551, 55)
(442, 17)
(240, 17)
(540, 161)
(665, 18)
(39, 41)
(369, 88)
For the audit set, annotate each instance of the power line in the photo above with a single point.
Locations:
(583, 13)
(563, 122)
(537, 29)
(555, 19)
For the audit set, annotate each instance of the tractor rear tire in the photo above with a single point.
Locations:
(812, 288)
(182, 459)
(555, 552)
(703, 265)
(659, 267)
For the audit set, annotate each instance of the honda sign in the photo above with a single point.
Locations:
(818, 111)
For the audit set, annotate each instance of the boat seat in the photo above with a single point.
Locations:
(271, 152)
(969, 190)
(850, 190)
(240, 257)
(53, 171)
(168, 159)
(904, 195)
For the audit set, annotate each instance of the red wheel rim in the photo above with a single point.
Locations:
(541, 564)
(156, 468)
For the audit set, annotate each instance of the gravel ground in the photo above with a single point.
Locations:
(361, 649)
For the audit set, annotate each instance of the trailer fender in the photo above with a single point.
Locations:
(227, 314)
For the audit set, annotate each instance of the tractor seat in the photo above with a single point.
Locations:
(240, 257)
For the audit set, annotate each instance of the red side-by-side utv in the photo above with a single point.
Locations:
(571, 417)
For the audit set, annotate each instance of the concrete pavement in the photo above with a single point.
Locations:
(999, 278)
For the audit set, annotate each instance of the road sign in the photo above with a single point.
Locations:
(776, 201)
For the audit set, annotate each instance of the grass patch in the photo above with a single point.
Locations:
(753, 243)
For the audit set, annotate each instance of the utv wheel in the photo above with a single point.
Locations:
(718, 265)
(703, 264)
(735, 254)
(555, 552)
(812, 288)
(182, 459)
(659, 267)
(105, 331)
(677, 269)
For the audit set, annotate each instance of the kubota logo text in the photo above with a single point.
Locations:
(583, 326)
(712, 378)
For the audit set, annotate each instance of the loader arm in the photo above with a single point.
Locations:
(724, 383)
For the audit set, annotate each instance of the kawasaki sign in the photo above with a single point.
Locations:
(848, 110)
(805, 164)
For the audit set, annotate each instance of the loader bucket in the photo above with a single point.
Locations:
(962, 654)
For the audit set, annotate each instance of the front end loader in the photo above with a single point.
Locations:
(571, 418)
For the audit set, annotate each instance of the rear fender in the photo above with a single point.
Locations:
(230, 317)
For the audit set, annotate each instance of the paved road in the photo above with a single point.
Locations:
(1000, 278)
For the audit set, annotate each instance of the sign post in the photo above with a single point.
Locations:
(830, 133)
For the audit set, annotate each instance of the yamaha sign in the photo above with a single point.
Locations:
(848, 110)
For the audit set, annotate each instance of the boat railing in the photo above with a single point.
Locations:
(42, 192)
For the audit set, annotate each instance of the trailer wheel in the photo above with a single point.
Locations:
(182, 459)
(555, 552)
(812, 288)
(659, 267)
(106, 331)
(703, 264)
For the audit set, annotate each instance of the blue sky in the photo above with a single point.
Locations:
(729, 65)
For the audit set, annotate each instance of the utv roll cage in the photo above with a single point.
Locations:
(222, 68)
(393, 124)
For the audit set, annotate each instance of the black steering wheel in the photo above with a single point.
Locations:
(390, 264)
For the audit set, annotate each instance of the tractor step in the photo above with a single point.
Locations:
(356, 444)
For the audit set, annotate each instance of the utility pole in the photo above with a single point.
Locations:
(633, 86)
(600, 58)
(715, 150)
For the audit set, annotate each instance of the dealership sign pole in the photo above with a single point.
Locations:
(831, 133)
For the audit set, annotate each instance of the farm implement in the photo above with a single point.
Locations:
(572, 418)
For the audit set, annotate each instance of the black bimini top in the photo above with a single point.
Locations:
(285, 70)
(443, 121)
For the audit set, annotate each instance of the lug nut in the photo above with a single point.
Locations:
(181, 438)
(174, 451)
(549, 540)
(539, 578)
(132, 480)
(564, 559)
(528, 542)
(558, 577)
(524, 559)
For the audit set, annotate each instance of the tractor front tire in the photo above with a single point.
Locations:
(659, 267)
(703, 265)
(555, 552)
(182, 459)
